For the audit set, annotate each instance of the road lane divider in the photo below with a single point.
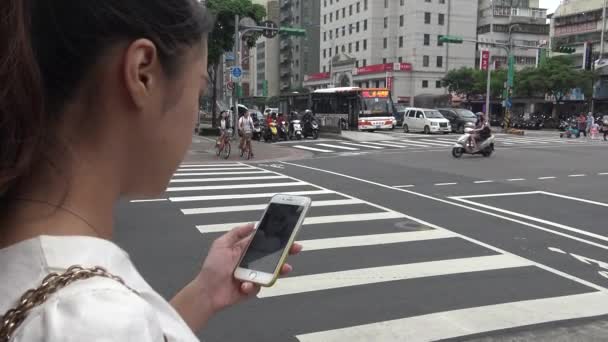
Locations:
(255, 207)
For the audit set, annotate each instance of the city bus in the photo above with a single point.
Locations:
(364, 109)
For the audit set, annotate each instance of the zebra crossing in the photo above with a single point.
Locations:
(429, 142)
(369, 273)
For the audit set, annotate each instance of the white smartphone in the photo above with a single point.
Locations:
(274, 235)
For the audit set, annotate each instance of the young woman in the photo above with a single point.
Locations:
(98, 100)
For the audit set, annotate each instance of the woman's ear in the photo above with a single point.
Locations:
(142, 70)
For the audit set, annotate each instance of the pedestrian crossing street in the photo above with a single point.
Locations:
(369, 273)
(425, 142)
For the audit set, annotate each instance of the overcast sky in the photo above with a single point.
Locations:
(550, 5)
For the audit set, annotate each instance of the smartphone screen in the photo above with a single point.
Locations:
(271, 237)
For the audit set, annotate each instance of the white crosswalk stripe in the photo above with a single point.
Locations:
(339, 147)
(340, 225)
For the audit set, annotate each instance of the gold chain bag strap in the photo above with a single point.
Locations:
(52, 283)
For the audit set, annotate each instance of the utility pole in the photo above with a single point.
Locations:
(603, 30)
(237, 64)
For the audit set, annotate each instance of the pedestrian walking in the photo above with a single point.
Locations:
(582, 125)
(98, 101)
(590, 120)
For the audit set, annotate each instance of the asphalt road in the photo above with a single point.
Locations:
(401, 246)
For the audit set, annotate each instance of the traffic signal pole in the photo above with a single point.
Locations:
(237, 64)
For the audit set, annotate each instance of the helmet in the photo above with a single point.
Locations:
(308, 111)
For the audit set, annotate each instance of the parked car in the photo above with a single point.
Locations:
(459, 118)
(425, 120)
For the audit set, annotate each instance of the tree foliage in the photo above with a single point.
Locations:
(468, 82)
(556, 76)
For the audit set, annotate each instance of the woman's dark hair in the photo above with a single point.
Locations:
(47, 48)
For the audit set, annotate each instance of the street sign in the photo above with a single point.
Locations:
(292, 31)
(236, 72)
(229, 57)
(485, 60)
(272, 29)
(451, 39)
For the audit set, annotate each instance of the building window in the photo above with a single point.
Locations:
(356, 64)
(364, 44)
(377, 84)
(324, 53)
(400, 59)
(330, 52)
(350, 10)
(401, 41)
(364, 62)
(441, 19)
(427, 0)
(331, 34)
(385, 22)
(331, 2)
(427, 39)
(437, 84)
(336, 50)
(383, 60)
(343, 48)
(365, 5)
(402, 2)
(439, 42)
(440, 61)
(337, 32)
(358, 27)
(325, 36)
(331, 17)
(442, 1)
(357, 46)
(337, 14)
(324, 19)
(425, 84)
(425, 61)
(344, 12)
(385, 3)
(324, 69)
(365, 25)
(427, 17)
(385, 43)
(350, 47)
(358, 7)
(343, 31)
(350, 29)
(401, 20)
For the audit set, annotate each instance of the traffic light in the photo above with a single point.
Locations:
(564, 49)
(291, 31)
(451, 39)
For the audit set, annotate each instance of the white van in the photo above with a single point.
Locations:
(425, 120)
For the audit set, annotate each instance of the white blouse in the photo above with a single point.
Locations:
(96, 309)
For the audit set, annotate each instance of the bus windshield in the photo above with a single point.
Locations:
(376, 107)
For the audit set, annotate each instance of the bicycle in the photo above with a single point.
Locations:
(246, 150)
(222, 146)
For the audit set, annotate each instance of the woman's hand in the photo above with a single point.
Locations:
(216, 279)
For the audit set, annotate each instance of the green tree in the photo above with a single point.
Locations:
(469, 82)
(556, 76)
(221, 39)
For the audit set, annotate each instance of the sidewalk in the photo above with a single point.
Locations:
(203, 150)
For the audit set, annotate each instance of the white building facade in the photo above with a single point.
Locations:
(388, 43)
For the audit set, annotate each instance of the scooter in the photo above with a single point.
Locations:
(296, 130)
(465, 145)
(311, 129)
(283, 130)
(257, 131)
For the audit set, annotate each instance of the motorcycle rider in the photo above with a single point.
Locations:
(481, 132)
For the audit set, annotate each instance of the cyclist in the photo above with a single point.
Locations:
(224, 126)
(246, 128)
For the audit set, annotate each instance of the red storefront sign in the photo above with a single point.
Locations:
(381, 68)
(317, 76)
(389, 82)
(485, 60)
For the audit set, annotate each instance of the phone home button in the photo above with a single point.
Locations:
(253, 275)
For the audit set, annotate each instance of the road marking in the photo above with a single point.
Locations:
(339, 147)
(312, 149)
(220, 228)
(469, 321)
(415, 144)
(447, 140)
(213, 169)
(149, 200)
(477, 242)
(431, 142)
(516, 179)
(236, 186)
(556, 250)
(372, 240)
(574, 198)
(445, 184)
(364, 276)
(210, 165)
(532, 218)
(404, 186)
(603, 174)
(222, 179)
(393, 145)
(573, 176)
(362, 145)
(483, 182)
(260, 195)
(254, 207)
(544, 178)
(219, 173)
